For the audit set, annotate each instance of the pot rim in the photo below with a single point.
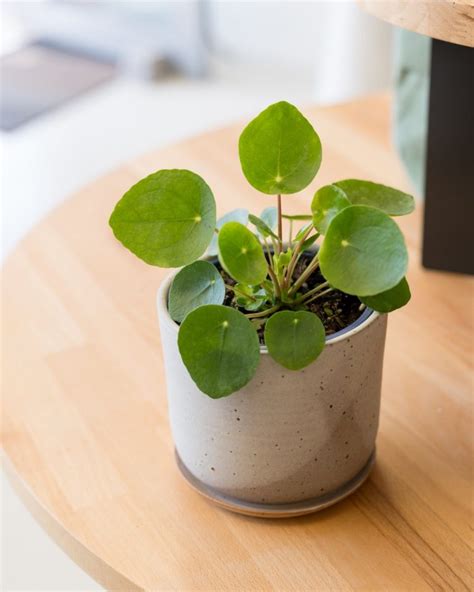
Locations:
(343, 334)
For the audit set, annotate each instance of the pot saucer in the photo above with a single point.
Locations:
(277, 510)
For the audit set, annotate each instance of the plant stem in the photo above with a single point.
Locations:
(263, 313)
(271, 272)
(310, 293)
(323, 293)
(313, 265)
(269, 255)
(290, 235)
(275, 281)
(280, 225)
(274, 245)
(294, 259)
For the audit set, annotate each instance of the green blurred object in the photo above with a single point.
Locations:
(410, 111)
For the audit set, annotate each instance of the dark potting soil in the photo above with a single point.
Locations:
(336, 309)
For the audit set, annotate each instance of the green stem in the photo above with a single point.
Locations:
(313, 265)
(269, 255)
(280, 226)
(323, 293)
(263, 313)
(294, 259)
(274, 245)
(271, 272)
(276, 283)
(310, 293)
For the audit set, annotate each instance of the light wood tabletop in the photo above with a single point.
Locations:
(85, 429)
(448, 20)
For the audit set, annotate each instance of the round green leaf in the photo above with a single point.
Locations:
(262, 227)
(279, 150)
(166, 219)
(389, 200)
(294, 339)
(363, 252)
(240, 215)
(390, 300)
(270, 216)
(195, 285)
(241, 254)
(327, 202)
(220, 348)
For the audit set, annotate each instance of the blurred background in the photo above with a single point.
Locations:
(86, 85)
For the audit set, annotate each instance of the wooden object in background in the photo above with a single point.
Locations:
(449, 197)
(448, 20)
(86, 434)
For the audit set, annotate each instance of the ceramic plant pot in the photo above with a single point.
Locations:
(288, 443)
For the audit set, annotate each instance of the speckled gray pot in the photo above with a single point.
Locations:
(286, 436)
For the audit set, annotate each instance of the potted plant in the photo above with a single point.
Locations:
(273, 347)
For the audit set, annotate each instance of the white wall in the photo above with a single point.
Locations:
(344, 51)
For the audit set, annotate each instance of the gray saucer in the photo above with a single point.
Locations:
(277, 510)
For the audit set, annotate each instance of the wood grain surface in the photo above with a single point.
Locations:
(448, 20)
(85, 428)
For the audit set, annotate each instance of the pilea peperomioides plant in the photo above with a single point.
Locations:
(349, 244)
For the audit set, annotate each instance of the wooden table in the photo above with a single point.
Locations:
(447, 20)
(85, 430)
(449, 174)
